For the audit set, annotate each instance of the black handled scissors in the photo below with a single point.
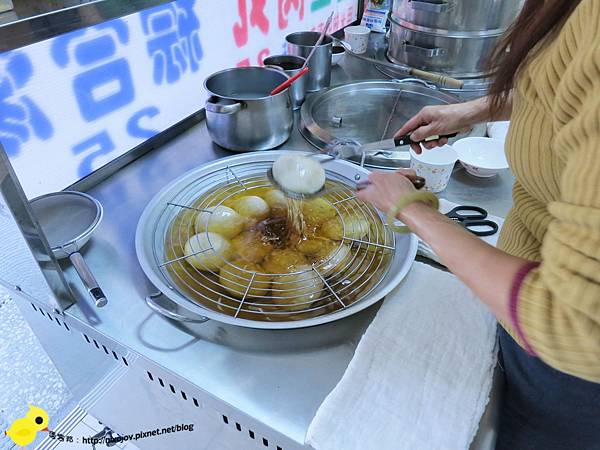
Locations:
(474, 219)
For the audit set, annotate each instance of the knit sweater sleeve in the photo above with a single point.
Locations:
(557, 304)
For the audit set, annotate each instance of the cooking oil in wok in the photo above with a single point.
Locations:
(287, 264)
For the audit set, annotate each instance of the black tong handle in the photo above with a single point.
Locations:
(406, 140)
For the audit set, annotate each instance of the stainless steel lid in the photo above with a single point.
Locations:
(368, 111)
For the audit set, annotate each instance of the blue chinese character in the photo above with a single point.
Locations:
(99, 145)
(105, 84)
(174, 41)
(20, 117)
(133, 124)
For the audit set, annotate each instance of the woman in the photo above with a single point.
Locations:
(543, 280)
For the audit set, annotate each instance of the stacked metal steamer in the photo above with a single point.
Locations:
(453, 37)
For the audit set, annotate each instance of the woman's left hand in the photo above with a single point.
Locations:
(386, 188)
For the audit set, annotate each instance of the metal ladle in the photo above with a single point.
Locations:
(418, 183)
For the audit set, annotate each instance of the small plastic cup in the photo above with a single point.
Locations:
(435, 166)
(357, 37)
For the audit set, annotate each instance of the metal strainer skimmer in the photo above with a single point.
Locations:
(68, 219)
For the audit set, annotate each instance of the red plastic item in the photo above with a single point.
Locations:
(287, 83)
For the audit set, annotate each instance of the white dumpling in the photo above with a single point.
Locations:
(275, 199)
(297, 291)
(207, 251)
(241, 279)
(299, 174)
(220, 219)
(333, 259)
(351, 226)
(251, 206)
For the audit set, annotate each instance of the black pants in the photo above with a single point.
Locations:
(544, 409)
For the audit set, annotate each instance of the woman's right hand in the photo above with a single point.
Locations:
(437, 121)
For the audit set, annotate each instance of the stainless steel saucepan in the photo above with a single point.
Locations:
(302, 44)
(241, 113)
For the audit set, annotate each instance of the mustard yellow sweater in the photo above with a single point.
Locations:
(553, 148)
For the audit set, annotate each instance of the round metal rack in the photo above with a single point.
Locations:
(306, 291)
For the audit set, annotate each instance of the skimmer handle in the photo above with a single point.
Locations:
(88, 279)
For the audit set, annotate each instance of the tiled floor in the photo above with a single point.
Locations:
(27, 376)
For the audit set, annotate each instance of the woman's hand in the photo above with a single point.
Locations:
(489, 272)
(443, 119)
(386, 188)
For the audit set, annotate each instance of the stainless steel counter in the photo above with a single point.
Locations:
(278, 377)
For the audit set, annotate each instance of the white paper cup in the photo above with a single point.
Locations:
(435, 166)
(357, 37)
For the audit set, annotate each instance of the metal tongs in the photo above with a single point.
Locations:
(348, 148)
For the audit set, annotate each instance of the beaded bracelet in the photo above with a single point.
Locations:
(423, 197)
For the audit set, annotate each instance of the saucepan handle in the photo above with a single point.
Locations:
(151, 302)
(429, 6)
(423, 51)
(88, 279)
(220, 108)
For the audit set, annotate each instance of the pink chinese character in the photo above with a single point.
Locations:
(335, 22)
(262, 55)
(257, 19)
(350, 15)
(283, 10)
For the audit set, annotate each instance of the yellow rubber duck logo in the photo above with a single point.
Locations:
(23, 431)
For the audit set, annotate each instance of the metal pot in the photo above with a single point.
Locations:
(291, 65)
(159, 215)
(241, 114)
(459, 15)
(301, 44)
(459, 54)
(472, 89)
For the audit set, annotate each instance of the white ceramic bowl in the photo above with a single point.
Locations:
(337, 58)
(481, 156)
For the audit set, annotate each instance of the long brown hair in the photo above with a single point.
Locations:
(538, 19)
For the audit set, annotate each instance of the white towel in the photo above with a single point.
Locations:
(445, 206)
(421, 375)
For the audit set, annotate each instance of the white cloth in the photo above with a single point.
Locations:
(421, 375)
(445, 206)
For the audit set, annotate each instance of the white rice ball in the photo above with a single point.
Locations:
(299, 174)
(275, 199)
(297, 291)
(251, 206)
(220, 219)
(207, 251)
(333, 260)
